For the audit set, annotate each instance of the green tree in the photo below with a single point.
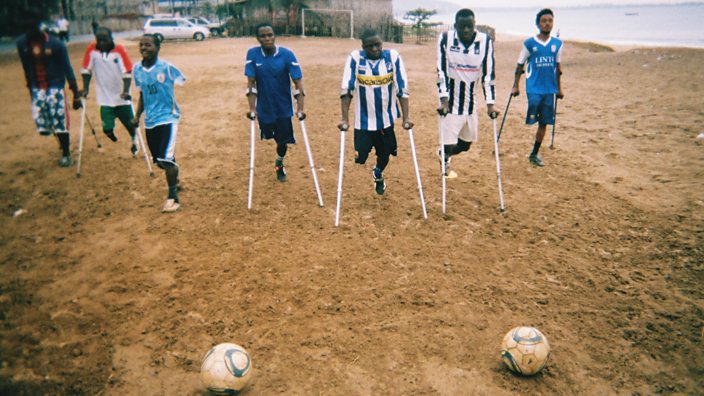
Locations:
(419, 16)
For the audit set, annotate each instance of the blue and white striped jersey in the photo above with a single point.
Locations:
(461, 68)
(375, 85)
(157, 86)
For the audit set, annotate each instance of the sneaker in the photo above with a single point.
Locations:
(134, 149)
(447, 161)
(111, 136)
(171, 205)
(65, 162)
(379, 184)
(280, 172)
(535, 160)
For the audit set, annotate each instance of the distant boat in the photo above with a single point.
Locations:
(630, 13)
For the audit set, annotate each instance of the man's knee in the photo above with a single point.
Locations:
(166, 164)
(462, 146)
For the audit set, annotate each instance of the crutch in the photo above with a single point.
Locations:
(501, 128)
(140, 139)
(442, 166)
(80, 137)
(144, 150)
(310, 161)
(498, 165)
(251, 164)
(554, 121)
(415, 164)
(339, 177)
(90, 124)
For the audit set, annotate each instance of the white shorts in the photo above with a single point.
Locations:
(459, 127)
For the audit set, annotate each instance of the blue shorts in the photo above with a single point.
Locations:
(383, 141)
(280, 130)
(162, 144)
(49, 110)
(541, 108)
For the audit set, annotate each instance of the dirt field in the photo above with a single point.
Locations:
(602, 249)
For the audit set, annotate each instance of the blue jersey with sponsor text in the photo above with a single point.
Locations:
(542, 58)
(375, 85)
(273, 74)
(157, 86)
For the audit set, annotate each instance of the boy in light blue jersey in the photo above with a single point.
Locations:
(269, 69)
(155, 80)
(543, 78)
(377, 79)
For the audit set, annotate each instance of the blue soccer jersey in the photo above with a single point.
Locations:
(542, 58)
(376, 85)
(157, 86)
(273, 74)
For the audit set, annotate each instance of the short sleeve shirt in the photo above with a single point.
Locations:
(273, 74)
(157, 86)
(109, 69)
(542, 58)
(375, 85)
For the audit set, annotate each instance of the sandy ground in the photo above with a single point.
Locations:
(602, 249)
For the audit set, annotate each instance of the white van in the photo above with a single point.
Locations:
(175, 28)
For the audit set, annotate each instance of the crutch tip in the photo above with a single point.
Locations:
(78, 175)
(552, 147)
(151, 174)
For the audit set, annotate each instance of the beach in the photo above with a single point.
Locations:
(602, 249)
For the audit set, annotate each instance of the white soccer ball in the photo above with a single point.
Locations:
(226, 369)
(525, 350)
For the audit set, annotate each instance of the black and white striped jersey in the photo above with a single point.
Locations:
(462, 68)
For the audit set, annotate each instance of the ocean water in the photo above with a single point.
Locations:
(657, 25)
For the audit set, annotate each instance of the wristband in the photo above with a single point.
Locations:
(298, 92)
(251, 91)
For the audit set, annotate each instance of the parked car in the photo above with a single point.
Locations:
(216, 28)
(175, 28)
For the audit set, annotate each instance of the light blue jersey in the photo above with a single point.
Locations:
(157, 86)
(542, 58)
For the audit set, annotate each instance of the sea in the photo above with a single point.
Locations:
(678, 25)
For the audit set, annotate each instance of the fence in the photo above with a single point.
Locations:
(241, 24)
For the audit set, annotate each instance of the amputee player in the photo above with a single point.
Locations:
(155, 78)
(112, 68)
(465, 64)
(377, 80)
(269, 69)
(46, 69)
(543, 78)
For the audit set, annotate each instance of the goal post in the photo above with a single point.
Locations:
(327, 18)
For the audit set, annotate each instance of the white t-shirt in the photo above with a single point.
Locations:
(108, 68)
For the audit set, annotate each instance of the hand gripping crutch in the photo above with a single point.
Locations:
(80, 137)
(442, 166)
(251, 164)
(501, 128)
(310, 161)
(415, 164)
(554, 121)
(498, 165)
(339, 177)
